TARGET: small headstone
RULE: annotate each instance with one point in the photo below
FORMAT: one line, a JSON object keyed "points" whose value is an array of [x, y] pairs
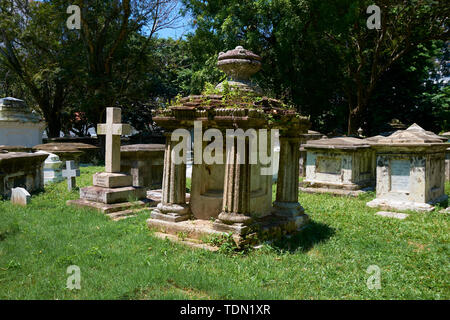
{"points": [[395, 215], [445, 210], [71, 172], [20, 196]]}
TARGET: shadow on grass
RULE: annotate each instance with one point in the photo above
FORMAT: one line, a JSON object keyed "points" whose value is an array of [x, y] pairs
{"points": [[9, 231], [443, 204], [314, 233]]}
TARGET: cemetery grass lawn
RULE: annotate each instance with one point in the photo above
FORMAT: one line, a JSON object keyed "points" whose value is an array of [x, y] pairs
{"points": [[122, 260]]}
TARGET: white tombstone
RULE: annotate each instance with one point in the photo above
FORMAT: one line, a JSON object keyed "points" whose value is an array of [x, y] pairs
{"points": [[52, 168], [20, 196], [19, 126]]}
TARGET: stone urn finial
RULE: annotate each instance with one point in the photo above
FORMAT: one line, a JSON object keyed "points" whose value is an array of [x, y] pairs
{"points": [[239, 65]]}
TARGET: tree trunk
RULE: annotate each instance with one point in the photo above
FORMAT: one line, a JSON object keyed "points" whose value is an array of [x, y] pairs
{"points": [[54, 125], [354, 119]]}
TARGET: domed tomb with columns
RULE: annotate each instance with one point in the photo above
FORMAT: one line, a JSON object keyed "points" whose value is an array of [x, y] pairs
{"points": [[231, 189]]}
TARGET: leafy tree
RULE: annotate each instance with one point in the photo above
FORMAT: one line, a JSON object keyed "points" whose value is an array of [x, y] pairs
{"points": [[34, 48], [318, 55], [367, 55]]}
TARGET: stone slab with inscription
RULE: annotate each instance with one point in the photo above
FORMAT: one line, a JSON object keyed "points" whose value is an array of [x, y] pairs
{"points": [[400, 172]]}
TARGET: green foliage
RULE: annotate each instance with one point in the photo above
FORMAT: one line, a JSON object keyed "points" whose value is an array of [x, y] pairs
{"points": [[319, 55]]}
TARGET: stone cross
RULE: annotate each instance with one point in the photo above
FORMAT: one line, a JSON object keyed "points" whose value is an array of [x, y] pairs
{"points": [[20, 196], [113, 129], [71, 172]]}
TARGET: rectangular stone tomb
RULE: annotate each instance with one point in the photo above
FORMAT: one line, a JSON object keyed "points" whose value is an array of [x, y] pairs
{"points": [[341, 166], [145, 163], [18, 169], [410, 170]]}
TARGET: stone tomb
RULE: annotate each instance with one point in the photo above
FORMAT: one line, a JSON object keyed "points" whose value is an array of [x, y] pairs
{"points": [[52, 168], [341, 166], [228, 196], [410, 170], [145, 163], [18, 169], [112, 191], [311, 135], [77, 152], [18, 124], [15, 148]]}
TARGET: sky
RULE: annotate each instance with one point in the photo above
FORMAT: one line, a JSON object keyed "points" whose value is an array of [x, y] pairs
{"points": [[180, 32], [184, 26]]}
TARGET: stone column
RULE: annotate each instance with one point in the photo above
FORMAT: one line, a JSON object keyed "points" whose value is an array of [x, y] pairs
{"points": [[236, 193], [286, 203], [173, 205]]}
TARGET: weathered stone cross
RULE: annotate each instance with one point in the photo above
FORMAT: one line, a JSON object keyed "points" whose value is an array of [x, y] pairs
{"points": [[71, 172], [113, 129]]}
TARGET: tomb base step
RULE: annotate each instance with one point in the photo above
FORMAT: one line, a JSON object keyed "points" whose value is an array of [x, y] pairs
{"points": [[336, 192], [110, 208], [267, 228], [192, 229], [193, 243], [112, 195]]}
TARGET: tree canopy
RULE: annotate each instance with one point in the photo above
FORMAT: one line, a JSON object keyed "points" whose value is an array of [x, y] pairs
{"points": [[319, 56]]}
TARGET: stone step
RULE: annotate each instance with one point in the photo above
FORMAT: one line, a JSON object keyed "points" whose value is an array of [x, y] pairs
{"points": [[110, 208], [112, 195]]}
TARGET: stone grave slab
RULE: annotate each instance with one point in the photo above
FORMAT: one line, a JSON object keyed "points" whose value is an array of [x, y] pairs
{"points": [[395, 215]]}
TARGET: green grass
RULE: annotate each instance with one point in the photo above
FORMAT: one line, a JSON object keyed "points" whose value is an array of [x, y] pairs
{"points": [[122, 260]]}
